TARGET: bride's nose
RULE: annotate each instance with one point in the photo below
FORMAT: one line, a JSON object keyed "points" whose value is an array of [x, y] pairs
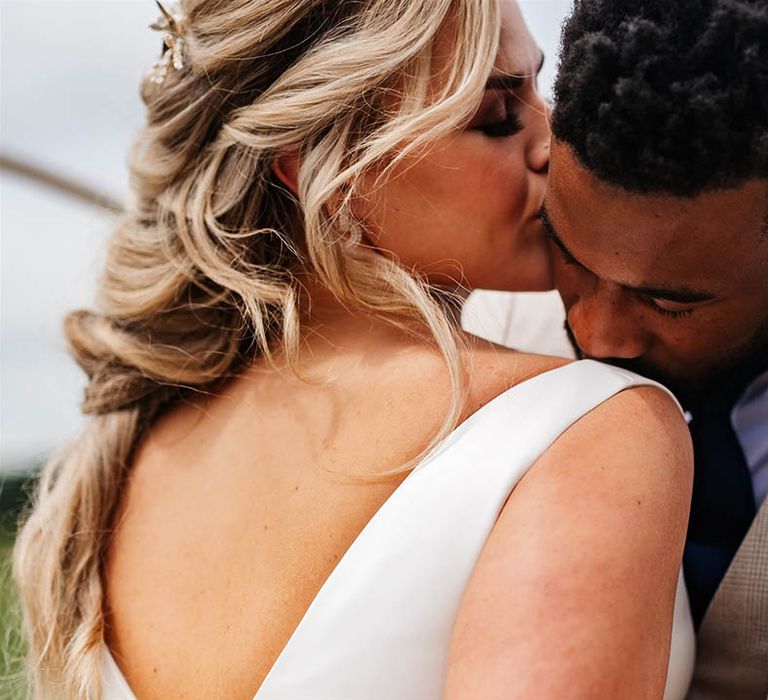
{"points": [[537, 153]]}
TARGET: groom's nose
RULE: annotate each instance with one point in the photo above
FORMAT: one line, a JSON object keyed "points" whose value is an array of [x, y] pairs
{"points": [[604, 326]]}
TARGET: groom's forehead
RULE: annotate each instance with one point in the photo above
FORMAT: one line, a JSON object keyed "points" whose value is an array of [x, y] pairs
{"points": [[712, 233]]}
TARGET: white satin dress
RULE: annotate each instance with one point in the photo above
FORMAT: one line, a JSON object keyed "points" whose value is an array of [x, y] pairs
{"points": [[380, 627]]}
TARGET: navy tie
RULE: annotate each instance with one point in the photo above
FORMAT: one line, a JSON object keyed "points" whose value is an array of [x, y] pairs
{"points": [[723, 504]]}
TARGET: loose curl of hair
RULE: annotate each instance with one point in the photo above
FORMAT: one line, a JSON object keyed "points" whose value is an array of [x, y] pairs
{"points": [[202, 274], [666, 96]]}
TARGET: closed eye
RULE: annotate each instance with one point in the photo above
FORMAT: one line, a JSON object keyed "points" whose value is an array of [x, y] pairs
{"points": [[672, 309], [568, 259], [674, 303], [496, 117], [508, 127]]}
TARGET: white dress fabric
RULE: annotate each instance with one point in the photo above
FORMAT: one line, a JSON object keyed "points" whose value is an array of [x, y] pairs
{"points": [[380, 627]]}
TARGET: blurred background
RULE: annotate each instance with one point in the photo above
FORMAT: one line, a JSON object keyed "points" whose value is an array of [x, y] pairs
{"points": [[69, 107]]}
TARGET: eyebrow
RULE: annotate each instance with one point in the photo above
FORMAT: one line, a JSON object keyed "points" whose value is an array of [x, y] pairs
{"points": [[511, 82], [682, 295]]}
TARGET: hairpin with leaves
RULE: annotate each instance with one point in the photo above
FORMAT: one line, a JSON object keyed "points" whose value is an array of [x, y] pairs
{"points": [[173, 23]]}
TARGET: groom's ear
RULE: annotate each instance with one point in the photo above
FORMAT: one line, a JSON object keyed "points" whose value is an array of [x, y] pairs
{"points": [[286, 167]]}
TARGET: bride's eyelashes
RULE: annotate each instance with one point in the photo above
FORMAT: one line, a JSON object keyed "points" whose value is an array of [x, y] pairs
{"points": [[510, 126], [496, 117]]}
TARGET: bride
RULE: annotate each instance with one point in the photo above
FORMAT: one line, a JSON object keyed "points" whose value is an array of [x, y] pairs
{"points": [[301, 479]]}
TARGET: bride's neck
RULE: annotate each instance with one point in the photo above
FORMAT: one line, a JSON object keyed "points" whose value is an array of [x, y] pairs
{"points": [[322, 308]]}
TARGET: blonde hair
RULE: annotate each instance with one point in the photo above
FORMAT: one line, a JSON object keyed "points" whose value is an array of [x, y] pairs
{"points": [[201, 275]]}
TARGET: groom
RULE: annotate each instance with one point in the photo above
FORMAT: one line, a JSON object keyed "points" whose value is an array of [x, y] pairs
{"points": [[657, 210]]}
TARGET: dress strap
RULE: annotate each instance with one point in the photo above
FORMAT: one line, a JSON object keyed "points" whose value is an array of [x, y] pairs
{"points": [[380, 627]]}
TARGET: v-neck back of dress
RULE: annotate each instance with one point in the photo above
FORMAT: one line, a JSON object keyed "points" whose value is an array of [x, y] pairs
{"points": [[380, 626]]}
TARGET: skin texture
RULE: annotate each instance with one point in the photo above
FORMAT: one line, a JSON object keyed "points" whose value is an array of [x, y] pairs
{"points": [[467, 210], [240, 504], [573, 594], [611, 242]]}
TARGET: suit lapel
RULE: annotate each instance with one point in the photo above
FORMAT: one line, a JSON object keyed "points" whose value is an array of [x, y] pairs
{"points": [[732, 645]]}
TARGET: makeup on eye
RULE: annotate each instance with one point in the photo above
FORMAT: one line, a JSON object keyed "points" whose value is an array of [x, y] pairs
{"points": [[496, 117]]}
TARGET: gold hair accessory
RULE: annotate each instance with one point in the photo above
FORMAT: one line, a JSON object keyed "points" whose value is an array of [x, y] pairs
{"points": [[174, 25]]}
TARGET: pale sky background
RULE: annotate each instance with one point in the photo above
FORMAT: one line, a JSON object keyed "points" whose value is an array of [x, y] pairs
{"points": [[69, 77]]}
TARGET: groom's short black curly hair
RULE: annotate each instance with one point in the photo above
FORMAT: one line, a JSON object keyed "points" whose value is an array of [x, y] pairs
{"points": [[666, 96]]}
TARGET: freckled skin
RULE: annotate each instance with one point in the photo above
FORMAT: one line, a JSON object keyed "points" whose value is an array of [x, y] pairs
{"points": [[714, 242]]}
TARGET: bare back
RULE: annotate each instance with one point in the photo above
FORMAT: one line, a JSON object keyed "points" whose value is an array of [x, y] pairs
{"points": [[240, 505]]}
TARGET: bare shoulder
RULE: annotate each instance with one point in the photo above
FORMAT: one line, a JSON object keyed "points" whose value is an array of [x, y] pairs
{"points": [[645, 417], [636, 442], [495, 368], [573, 594], [640, 427]]}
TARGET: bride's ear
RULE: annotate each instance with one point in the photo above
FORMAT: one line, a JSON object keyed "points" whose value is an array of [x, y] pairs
{"points": [[286, 167]]}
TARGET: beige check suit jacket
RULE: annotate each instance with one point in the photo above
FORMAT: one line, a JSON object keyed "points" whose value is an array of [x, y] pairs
{"points": [[732, 646]]}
